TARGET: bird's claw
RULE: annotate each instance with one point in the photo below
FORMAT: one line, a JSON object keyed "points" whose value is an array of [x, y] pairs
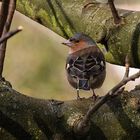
{"points": [[94, 97], [79, 98]]}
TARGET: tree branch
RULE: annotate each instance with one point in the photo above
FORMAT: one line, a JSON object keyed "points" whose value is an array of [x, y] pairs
{"points": [[95, 20], [10, 34], [127, 65], [24, 117], [3, 14], [117, 19], [7, 12]]}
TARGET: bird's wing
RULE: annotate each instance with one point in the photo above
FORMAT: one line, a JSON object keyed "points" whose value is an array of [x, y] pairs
{"points": [[84, 66], [94, 65], [74, 67]]}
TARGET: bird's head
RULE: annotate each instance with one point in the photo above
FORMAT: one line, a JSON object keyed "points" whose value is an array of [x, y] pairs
{"points": [[79, 41]]}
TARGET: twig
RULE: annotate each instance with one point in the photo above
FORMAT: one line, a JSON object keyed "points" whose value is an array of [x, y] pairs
{"points": [[86, 119], [115, 14], [9, 5], [110, 93], [127, 65], [10, 34]]}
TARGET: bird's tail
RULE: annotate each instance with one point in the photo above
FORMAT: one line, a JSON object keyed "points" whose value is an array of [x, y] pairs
{"points": [[84, 84]]}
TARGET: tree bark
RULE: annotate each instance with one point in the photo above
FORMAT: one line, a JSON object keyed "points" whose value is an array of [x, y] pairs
{"points": [[67, 17], [23, 117]]}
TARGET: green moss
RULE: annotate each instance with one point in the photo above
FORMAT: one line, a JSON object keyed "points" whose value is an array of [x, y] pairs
{"points": [[54, 23], [68, 30], [44, 17], [66, 17], [26, 8], [109, 57]]}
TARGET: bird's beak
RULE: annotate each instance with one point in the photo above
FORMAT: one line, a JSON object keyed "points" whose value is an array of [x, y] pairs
{"points": [[68, 43]]}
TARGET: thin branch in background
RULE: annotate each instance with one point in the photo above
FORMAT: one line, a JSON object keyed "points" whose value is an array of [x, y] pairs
{"points": [[10, 34], [5, 23], [117, 18], [114, 91], [3, 14], [11, 10]]}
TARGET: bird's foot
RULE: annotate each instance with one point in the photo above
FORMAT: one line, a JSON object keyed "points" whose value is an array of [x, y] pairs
{"points": [[94, 97], [79, 98], [120, 22]]}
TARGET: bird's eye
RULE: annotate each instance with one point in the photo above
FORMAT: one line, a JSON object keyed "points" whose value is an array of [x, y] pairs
{"points": [[76, 41], [71, 39]]}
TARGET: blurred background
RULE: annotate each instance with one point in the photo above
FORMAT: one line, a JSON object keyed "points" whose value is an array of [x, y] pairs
{"points": [[35, 64], [125, 4], [128, 4]]}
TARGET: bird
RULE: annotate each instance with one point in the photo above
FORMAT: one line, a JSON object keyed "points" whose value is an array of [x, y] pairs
{"points": [[85, 64]]}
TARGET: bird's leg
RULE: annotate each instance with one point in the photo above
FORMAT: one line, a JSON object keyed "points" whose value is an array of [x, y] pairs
{"points": [[78, 96], [116, 17], [94, 97]]}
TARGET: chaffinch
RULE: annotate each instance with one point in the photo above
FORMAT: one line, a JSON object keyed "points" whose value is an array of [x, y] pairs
{"points": [[85, 65]]}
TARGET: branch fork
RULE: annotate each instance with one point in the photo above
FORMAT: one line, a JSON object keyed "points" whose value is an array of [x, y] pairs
{"points": [[115, 91], [6, 15]]}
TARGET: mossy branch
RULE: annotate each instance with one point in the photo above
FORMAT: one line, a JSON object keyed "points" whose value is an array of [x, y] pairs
{"points": [[67, 17], [26, 117]]}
